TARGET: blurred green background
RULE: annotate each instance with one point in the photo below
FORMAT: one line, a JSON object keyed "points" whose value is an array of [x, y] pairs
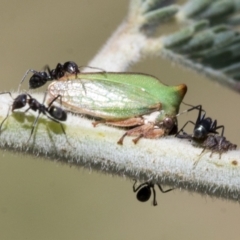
{"points": [[42, 199]]}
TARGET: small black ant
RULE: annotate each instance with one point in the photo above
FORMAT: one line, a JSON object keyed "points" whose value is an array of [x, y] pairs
{"points": [[203, 125], [144, 191], [54, 113], [205, 134], [38, 79]]}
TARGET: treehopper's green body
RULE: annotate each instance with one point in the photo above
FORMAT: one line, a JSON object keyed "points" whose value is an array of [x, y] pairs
{"points": [[121, 99]]}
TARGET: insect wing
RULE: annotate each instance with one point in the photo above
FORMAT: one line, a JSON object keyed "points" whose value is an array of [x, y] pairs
{"points": [[104, 99], [169, 96]]}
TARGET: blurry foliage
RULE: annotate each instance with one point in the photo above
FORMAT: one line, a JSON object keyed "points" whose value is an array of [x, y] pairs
{"points": [[209, 39]]}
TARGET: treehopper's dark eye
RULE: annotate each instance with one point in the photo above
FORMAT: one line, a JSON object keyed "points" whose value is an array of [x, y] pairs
{"points": [[168, 122]]}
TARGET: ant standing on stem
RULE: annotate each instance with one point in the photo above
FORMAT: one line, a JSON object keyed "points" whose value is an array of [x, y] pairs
{"points": [[203, 125], [54, 113], [205, 133]]}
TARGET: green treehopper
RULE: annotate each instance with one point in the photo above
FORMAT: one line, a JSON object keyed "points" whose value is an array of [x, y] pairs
{"points": [[135, 100]]}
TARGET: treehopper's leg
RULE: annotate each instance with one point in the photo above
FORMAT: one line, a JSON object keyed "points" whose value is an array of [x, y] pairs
{"points": [[146, 131], [120, 141], [135, 140], [151, 134], [95, 123], [137, 131]]}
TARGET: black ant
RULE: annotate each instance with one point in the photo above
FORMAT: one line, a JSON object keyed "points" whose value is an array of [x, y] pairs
{"points": [[144, 191], [54, 113], [203, 125], [205, 134], [38, 79]]}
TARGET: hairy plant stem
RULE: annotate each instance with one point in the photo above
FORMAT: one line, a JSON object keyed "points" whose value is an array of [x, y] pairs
{"points": [[167, 160]]}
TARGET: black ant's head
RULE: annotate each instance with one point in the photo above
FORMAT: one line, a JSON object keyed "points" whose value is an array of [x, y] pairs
{"points": [[58, 113], [144, 193], [19, 102], [38, 79], [71, 67]]}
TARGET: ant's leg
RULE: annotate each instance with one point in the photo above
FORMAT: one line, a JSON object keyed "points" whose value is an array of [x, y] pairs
{"points": [[164, 191], [47, 68], [9, 107], [58, 123], [7, 93], [61, 128], [44, 98], [4, 120], [24, 76], [27, 109], [200, 110], [218, 127], [198, 107], [33, 127], [100, 69], [8, 110], [181, 130], [154, 196], [187, 104], [36, 120], [54, 99]]}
